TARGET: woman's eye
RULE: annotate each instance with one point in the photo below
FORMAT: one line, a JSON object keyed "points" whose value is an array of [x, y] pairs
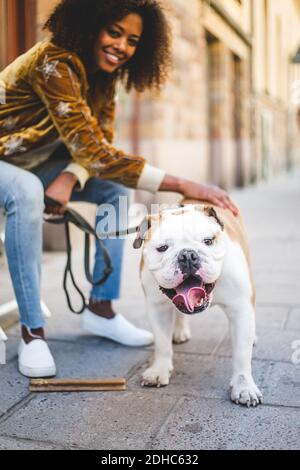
{"points": [[133, 43], [113, 34], [162, 249], [208, 241]]}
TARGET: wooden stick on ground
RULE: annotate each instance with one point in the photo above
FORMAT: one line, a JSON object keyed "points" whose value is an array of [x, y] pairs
{"points": [[77, 385]]}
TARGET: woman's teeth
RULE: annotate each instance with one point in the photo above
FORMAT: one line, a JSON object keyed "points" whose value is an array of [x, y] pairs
{"points": [[112, 58]]}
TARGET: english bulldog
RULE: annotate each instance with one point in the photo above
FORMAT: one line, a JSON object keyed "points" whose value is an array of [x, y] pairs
{"points": [[196, 256]]}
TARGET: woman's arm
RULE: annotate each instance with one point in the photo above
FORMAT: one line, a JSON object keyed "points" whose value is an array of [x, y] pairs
{"points": [[61, 190]]}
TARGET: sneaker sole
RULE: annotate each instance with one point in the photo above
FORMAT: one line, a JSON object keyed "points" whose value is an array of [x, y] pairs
{"points": [[37, 373]]}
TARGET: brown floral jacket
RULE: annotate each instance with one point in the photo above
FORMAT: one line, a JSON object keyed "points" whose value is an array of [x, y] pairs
{"points": [[45, 97]]}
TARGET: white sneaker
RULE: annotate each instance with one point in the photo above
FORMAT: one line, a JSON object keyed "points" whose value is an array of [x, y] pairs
{"points": [[118, 329], [35, 359]]}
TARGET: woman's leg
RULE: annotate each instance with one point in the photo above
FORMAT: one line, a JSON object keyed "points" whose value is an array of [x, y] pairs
{"points": [[22, 197]]}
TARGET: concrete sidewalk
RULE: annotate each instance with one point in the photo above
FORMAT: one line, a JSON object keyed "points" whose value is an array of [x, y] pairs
{"points": [[194, 411]]}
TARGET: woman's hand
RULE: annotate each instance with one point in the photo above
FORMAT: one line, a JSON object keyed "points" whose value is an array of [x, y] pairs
{"points": [[191, 190], [60, 190]]}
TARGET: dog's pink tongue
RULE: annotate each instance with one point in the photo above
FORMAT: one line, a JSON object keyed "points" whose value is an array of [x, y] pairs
{"points": [[189, 295]]}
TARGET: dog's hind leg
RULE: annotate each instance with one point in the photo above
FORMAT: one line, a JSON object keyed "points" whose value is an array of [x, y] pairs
{"points": [[182, 330]]}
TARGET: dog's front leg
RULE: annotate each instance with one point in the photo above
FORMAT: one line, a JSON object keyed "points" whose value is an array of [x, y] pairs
{"points": [[162, 321], [242, 323]]}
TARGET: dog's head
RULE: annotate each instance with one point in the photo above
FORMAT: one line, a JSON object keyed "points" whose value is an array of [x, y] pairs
{"points": [[184, 249]]}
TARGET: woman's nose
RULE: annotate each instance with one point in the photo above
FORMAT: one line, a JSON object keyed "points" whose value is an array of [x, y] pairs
{"points": [[121, 45]]}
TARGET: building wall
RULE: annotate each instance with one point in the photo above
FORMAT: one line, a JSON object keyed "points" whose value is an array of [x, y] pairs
{"points": [[200, 128], [174, 127], [44, 8], [276, 38]]}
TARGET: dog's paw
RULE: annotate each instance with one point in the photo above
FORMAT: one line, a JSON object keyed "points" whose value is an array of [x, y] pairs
{"points": [[156, 376], [244, 391], [182, 333]]}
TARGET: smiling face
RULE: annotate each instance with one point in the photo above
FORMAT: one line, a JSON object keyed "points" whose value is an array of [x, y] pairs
{"points": [[185, 255], [117, 43]]}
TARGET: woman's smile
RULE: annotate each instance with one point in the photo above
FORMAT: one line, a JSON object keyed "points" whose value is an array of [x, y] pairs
{"points": [[111, 58]]}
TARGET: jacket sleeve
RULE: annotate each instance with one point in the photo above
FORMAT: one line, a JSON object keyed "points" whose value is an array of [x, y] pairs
{"points": [[106, 119], [58, 83]]}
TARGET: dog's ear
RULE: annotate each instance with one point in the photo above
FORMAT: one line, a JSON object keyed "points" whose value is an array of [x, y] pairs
{"points": [[142, 229], [210, 212]]}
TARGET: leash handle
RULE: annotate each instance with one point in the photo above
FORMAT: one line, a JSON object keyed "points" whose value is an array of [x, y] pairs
{"points": [[71, 216]]}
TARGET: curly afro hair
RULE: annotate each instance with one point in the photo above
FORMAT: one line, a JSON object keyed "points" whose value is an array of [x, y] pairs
{"points": [[75, 25]]}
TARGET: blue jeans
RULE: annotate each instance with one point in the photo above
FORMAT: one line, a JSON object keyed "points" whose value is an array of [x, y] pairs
{"points": [[22, 197]]}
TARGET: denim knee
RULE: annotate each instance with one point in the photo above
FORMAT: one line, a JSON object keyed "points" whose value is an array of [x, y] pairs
{"points": [[27, 195]]}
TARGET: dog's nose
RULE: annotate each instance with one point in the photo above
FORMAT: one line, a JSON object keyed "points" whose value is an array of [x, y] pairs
{"points": [[189, 261]]}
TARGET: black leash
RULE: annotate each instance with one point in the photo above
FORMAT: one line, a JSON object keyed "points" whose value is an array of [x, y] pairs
{"points": [[71, 216]]}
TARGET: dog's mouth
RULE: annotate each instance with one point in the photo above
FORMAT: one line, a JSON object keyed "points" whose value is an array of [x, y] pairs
{"points": [[191, 296]]}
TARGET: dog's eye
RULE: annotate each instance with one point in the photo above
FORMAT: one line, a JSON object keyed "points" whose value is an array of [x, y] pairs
{"points": [[163, 248], [208, 241]]}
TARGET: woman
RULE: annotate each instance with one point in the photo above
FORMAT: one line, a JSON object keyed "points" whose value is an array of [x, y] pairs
{"points": [[56, 131]]}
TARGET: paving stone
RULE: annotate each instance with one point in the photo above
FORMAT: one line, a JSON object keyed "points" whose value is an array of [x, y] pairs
{"points": [[109, 420], [278, 293], [271, 317], [211, 377], [198, 423], [95, 358], [286, 275], [293, 322], [13, 387], [282, 385], [273, 345], [7, 443]]}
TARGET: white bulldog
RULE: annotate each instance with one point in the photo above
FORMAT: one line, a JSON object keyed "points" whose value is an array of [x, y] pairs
{"points": [[195, 256]]}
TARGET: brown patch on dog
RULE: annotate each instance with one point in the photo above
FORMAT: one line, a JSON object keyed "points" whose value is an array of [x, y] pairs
{"points": [[235, 228], [142, 229], [142, 264], [210, 212], [145, 228], [179, 212]]}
